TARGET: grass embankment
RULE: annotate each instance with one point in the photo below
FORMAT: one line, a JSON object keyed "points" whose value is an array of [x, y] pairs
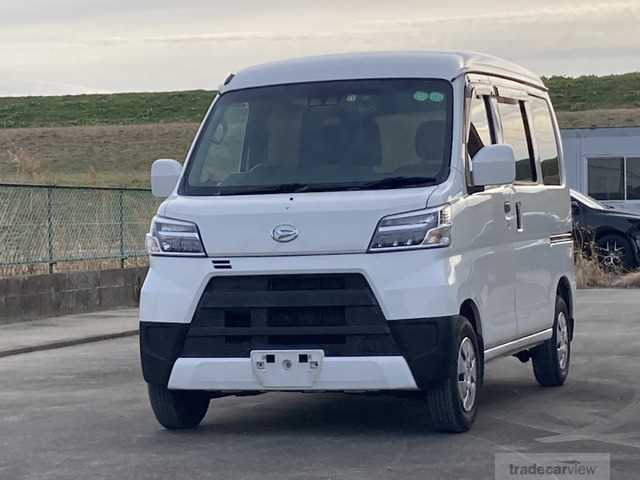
{"points": [[95, 139], [114, 138], [595, 93], [112, 155], [581, 94], [590, 101], [115, 109]]}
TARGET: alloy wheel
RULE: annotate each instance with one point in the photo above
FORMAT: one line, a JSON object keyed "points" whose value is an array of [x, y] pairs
{"points": [[562, 341], [467, 374], [611, 254]]}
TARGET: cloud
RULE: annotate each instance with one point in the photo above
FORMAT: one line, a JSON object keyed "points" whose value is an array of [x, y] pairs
{"points": [[153, 49], [576, 15], [601, 11]]}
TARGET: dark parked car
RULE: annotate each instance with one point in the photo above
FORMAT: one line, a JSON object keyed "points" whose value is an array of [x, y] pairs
{"points": [[615, 234]]}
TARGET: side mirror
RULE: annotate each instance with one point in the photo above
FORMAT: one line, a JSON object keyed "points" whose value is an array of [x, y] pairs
{"points": [[164, 177], [494, 165]]}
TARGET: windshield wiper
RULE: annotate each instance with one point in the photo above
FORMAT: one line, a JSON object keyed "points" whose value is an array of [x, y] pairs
{"points": [[262, 189], [390, 182], [395, 182]]}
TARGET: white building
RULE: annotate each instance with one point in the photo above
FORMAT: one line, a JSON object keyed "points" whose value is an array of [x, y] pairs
{"points": [[605, 164]]}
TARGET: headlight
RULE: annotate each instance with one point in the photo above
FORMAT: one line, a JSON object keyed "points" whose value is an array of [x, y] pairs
{"points": [[174, 237], [420, 229]]}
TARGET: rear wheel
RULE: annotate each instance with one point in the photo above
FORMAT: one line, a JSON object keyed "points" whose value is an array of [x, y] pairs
{"points": [[178, 409], [615, 253], [551, 359], [454, 402]]}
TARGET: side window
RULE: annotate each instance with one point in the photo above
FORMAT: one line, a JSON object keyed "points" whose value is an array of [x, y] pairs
{"points": [[515, 133], [633, 178], [546, 141], [606, 178], [614, 178], [479, 127]]}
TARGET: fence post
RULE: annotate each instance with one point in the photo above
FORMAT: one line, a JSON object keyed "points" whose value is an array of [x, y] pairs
{"points": [[121, 198], [50, 227]]}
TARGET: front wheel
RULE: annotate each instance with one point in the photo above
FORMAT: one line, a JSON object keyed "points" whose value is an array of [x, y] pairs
{"points": [[454, 402], [551, 359], [178, 409]]}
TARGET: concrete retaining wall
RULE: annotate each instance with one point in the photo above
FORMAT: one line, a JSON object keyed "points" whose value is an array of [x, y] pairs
{"points": [[42, 296]]}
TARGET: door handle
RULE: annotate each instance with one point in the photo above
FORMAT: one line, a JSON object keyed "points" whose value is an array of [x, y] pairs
{"points": [[508, 211], [519, 216], [512, 211]]}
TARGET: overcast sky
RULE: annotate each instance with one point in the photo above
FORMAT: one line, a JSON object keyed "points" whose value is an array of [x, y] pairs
{"points": [[83, 46]]}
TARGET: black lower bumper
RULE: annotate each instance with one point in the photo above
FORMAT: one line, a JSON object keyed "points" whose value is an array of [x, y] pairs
{"points": [[160, 346], [425, 343]]}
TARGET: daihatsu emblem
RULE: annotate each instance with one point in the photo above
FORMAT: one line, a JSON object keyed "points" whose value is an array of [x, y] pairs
{"points": [[284, 233]]}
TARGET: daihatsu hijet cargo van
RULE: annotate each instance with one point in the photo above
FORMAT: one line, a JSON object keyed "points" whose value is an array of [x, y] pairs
{"points": [[384, 222]]}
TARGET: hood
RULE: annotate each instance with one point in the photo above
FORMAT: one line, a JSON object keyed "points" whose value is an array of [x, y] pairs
{"points": [[325, 222], [628, 215]]}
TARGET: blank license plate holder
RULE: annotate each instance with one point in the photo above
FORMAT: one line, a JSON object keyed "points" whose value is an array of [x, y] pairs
{"points": [[287, 369]]}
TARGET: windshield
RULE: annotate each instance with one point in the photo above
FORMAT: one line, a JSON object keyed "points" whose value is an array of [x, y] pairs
{"points": [[588, 201], [346, 135]]}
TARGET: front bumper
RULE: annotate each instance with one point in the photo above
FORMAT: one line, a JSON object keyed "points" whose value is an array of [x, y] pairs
{"points": [[198, 322], [338, 373], [425, 347]]}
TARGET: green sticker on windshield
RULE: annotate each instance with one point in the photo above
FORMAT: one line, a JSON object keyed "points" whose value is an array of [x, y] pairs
{"points": [[421, 96], [436, 97]]}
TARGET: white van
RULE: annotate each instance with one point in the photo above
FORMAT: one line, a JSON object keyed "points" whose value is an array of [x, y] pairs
{"points": [[361, 223]]}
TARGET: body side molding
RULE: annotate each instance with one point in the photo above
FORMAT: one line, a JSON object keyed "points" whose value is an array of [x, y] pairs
{"points": [[515, 346]]}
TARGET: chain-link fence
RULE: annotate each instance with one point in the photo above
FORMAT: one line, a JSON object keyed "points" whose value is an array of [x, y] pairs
{"points": [[47, 224]]}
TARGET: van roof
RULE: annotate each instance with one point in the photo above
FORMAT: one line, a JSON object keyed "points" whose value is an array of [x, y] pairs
{"points": [[445, 65]]}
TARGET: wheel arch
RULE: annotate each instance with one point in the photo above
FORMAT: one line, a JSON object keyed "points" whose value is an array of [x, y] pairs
{"points": [[469, 309], [608, 230]]}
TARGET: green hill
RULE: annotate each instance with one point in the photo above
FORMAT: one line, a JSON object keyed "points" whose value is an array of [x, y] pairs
{"points": [[113, 109], [568, 94], [595, 93]]}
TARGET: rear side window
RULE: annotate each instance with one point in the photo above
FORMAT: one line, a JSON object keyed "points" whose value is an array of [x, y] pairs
{"points": [[479, 126], [515, 133], [546, 141]]}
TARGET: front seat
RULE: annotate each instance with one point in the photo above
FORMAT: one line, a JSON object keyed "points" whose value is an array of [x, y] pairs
{"points": [[429, 145]]}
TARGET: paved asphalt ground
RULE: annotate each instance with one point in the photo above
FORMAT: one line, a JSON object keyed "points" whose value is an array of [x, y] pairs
{"points": [[81, 412]]}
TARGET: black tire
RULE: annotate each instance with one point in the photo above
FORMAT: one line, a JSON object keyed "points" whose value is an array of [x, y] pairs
{"points": [[548, 368], [445, 402], [178, 409], [615, 253]]}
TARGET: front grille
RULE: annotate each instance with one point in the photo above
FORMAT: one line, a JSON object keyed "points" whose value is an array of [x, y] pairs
{"points": [[337, 313]]}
